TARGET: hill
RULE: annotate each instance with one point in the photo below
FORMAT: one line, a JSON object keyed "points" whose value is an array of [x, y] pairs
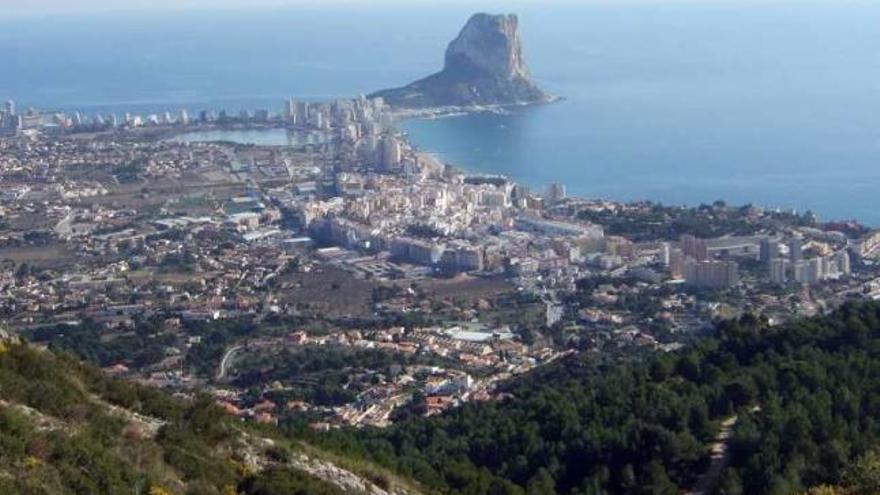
{"points": [[66, 428], [758, 409]]}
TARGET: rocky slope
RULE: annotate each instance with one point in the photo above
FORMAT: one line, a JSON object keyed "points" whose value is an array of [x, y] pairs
{"points": [[484, 67], [66, 428]]}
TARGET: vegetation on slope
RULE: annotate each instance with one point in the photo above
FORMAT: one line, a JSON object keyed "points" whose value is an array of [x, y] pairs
{"points": [[65, 428], [860, 478], [806, 396]]}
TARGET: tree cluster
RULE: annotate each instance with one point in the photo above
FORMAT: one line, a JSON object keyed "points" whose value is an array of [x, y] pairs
{"points": [[806, 397]]}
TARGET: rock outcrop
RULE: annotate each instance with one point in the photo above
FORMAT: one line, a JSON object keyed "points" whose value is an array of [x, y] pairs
{"points": [[484, 66]]}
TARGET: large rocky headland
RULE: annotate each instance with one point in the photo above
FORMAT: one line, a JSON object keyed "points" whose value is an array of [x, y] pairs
{"points": [[484, 67]]}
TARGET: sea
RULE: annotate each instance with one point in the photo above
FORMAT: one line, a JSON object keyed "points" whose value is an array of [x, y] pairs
{"points": [[774, 102]]}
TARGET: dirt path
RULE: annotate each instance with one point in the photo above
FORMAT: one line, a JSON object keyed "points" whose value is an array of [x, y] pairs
{"points": [[720, 455], [720, 458]]}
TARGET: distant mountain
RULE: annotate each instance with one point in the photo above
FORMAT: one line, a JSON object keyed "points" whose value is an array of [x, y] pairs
{"points": [[484, 66]]}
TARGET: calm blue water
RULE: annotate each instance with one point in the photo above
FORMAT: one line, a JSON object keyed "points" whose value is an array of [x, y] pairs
{"points": [[774, 102], [262, 137]]}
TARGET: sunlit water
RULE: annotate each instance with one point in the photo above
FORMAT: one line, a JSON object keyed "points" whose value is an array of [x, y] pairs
{"points": [[776, 103]]}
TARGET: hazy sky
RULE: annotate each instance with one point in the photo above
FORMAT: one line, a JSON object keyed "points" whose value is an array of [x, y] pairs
{"points": [[12, 9], [40, 7], [15, 8]]}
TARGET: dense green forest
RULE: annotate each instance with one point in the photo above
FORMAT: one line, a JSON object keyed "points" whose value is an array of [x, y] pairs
{"points": [[806, 396], [66, 428]]}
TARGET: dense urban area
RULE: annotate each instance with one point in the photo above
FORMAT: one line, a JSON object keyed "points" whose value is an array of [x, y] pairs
{"points": [[347, 280]]}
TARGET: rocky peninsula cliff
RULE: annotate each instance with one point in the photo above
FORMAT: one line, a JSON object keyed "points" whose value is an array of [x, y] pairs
{"points": [[484, 67]]}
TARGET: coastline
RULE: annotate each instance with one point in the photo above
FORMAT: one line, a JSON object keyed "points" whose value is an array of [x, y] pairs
{"points": [[450, 111], [436, 113], [431, 113]]}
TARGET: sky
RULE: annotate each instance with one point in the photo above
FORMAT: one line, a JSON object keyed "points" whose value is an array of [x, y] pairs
{"points": [[14, 8], [17, 8], [29, 8]]}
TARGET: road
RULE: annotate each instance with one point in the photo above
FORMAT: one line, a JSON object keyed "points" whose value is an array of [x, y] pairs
{"points": [[227, 359]]}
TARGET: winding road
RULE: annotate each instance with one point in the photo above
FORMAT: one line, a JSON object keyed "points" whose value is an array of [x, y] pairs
{"points": [[227, 360]]}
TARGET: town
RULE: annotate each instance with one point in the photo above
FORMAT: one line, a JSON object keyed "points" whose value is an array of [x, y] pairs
{"points": [[348, 278]]}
